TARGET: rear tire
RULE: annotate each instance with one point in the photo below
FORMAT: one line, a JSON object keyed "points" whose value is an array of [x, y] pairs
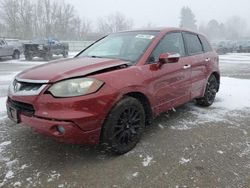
{"points": [[28, 57], [124, 126], [210, 93], [16, 55]]}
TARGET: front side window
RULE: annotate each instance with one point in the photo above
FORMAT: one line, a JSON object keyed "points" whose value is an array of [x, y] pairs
{"points": [[129, 46], [193, 44], [171, 43]]}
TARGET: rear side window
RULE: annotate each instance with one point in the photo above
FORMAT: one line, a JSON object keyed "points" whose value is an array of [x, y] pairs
{"points": [[206, 46], [193, 44]]}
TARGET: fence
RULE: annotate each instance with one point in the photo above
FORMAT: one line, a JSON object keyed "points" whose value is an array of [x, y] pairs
{"points": [[74, 46]]}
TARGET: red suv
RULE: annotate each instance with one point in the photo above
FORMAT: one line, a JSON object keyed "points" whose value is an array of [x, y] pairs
{"points": [[113, 88]]}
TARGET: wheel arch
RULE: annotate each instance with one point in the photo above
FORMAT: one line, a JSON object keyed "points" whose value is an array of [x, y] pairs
{"points": [[217, 76], [143, 99], [16, 50]]}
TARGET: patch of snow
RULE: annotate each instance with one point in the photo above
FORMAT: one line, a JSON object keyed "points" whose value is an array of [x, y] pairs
{"points": [[24, 166], [235, 58], [5, 143], [147, 161], [234, 94], [135, 174], [17, 184], [161, 126], [220, 152], [10, 164], [8, 77], [9, 175], [3, 106], [232, 98], [184, 161], [53, 176]]}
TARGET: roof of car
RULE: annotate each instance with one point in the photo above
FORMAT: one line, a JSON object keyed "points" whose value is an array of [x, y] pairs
{"points": [[162, 29]]}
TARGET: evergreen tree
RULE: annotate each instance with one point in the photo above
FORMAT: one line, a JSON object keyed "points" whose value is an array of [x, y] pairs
{"points": [[188, 19]]}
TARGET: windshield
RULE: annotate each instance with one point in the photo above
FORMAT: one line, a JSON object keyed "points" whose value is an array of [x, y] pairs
{"points": [[129, 46]]}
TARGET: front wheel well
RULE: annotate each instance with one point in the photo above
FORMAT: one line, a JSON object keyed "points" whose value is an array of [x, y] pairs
{"points": [[217, 76], [16, 51], [146, 105]]}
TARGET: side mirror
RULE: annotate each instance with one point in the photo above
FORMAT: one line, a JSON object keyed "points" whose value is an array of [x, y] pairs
{"points": [[169, 58]]}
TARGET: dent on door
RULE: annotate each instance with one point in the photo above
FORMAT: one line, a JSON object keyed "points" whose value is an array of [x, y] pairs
{"points": [[171, 85]]}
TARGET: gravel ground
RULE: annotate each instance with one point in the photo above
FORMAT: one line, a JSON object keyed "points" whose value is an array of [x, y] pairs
{"points": [[188, 147]]}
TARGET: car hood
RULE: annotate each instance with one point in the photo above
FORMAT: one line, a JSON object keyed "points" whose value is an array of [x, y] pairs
{"points": [[70, 68]]}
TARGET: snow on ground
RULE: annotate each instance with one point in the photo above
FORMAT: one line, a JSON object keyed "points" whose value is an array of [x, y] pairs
{"points": [[232, 99], [147, 161], [3, 108], [238, 58], [35, 61], [8, 77]]}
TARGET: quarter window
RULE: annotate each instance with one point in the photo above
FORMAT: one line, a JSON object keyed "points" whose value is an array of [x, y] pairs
{"points": [[171, 43], [193, 44]]}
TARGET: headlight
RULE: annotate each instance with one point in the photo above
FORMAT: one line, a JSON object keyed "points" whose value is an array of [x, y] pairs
{"points": [[75, 87]]}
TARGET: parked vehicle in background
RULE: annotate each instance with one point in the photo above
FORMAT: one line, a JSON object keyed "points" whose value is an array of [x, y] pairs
{"points": [[244, 47], [10, 47], [224, 47], [45, 48], [113, 88]]}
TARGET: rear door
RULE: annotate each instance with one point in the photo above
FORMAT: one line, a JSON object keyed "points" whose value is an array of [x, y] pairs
{"points": [[199, 73], [9, 49], [171, 83]]}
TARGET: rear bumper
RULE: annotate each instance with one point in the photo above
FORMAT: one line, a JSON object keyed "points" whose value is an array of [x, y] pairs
{"points": [[72, 133]]}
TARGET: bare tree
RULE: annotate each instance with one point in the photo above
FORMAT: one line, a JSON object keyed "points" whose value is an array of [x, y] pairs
{"points": [[26, 19], [113, 23], [9, 15]]}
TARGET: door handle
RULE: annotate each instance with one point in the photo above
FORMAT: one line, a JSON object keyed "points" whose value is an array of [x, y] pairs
{"points": [[186, 67], [207, 60]]}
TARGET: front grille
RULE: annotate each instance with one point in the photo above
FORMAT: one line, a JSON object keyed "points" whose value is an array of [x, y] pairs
{"points": [[27, 87], [23, 108], [23, 86]]}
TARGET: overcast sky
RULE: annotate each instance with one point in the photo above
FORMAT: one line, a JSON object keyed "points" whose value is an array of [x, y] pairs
{"points": [[162, 12]]}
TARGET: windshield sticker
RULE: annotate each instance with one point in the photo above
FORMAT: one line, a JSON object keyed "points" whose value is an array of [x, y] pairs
{"points": [[150, 37]]}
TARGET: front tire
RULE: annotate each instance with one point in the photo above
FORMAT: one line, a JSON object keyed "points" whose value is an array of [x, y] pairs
{"points": [[124, 126], [16, 55], [65, 54], [28, 57], [48, 57], [210, 93]]}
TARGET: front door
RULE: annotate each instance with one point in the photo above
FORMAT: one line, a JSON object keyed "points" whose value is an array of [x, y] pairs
{"points": [[171, 82]]}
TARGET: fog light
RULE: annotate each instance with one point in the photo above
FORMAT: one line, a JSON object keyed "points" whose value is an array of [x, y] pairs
{"points": [[60, 129]]}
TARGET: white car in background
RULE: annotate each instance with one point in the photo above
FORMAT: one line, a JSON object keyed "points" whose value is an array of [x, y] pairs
{"points": [[10, 47]]}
